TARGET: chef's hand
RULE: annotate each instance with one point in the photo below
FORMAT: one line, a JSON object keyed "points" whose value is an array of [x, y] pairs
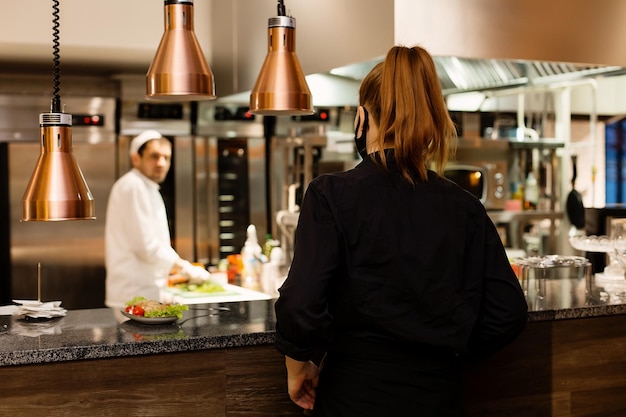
{"points": [[195, 273], [302, 380]]}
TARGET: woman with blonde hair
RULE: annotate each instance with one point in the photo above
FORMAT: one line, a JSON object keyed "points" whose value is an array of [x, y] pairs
{"points": [[398, 274]]}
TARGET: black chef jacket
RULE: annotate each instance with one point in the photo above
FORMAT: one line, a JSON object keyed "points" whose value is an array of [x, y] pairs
{"points": [[379, 262]]}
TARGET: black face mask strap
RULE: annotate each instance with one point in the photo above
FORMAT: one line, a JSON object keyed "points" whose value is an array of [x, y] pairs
{"points": [[365, 120], [359, 141]]}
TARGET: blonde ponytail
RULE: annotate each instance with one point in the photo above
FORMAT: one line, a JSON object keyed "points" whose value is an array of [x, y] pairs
{"points": [[404, 96]]}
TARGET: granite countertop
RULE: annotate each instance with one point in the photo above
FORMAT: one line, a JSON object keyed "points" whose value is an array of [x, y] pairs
{"points": [[105, 333]]}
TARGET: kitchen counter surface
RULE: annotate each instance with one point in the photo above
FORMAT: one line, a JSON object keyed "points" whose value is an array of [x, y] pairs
{"points": [[104, 333]]}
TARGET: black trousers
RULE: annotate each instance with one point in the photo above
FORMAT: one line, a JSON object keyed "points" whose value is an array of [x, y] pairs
{"points": [[389, 385]]}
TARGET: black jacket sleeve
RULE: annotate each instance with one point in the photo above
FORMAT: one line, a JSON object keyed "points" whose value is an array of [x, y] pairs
{"points": [[503, 311], [302, 313]]}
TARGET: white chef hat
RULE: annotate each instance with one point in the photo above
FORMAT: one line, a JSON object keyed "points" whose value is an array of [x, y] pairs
{"points": [[142, 138]]}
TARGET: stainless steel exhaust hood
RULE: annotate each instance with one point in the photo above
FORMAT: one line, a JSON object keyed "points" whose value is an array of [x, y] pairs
{"points": [[462, 74], [458, 75]]}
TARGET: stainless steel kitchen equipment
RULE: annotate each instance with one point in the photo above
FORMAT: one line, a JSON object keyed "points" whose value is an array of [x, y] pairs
{"points": [[303, 149], [482, 167], [280, 159], [296, 158], [555, 281], [489, 168], [233, 158]]}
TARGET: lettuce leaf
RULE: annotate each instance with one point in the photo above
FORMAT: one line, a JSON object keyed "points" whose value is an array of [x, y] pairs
{"points": [[167, 310], [154, 308]]}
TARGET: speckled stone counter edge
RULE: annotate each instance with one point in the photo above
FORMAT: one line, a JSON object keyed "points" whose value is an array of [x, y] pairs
{"points": [[71, 353], [191, 343], [577, 313]]}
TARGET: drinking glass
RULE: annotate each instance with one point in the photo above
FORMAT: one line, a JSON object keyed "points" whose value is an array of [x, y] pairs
{"points": [[618, 236]]}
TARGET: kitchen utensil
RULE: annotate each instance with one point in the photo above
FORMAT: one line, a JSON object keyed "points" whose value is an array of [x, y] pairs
{"points": [[575, 207], [554, 281]]}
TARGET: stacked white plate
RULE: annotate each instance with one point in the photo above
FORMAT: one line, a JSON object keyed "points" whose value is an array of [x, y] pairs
{"points": [[38, 310]]}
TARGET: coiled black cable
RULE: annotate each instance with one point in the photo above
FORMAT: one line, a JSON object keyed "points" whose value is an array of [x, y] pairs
{"points": [[56, 100], [281, 8]]}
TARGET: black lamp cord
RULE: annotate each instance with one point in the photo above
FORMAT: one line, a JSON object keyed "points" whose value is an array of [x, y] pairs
{"points": [[281, 8], [56, 100]]}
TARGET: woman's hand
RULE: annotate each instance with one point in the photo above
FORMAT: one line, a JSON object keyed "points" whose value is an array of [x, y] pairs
{"points": [[302, 380]]}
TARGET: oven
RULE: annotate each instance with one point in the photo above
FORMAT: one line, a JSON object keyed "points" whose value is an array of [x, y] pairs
{"points": [[481, 166]]}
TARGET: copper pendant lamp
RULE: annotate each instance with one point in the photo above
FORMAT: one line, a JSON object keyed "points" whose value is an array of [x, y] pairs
{"points": [[179, 71], [281, 88], [57, 189]]}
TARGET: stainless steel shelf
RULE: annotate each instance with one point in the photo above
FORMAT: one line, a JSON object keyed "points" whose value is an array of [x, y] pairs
{"points": [[502, 216], [518, 220], [536, 144]]}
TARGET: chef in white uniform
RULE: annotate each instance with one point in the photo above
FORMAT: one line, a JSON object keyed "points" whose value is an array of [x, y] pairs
{"points": [[138, 249]]}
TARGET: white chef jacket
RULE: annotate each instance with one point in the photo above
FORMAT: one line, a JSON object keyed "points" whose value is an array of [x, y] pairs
{"points": [[138, 248]]}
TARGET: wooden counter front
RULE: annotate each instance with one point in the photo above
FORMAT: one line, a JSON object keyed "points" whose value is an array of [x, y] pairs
{"points": [[219, 360], [237, 382], [561, 368]]}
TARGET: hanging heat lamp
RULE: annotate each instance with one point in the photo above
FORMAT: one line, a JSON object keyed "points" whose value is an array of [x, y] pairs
{"points": [[179, 71], [57, 189], [281, 88]]}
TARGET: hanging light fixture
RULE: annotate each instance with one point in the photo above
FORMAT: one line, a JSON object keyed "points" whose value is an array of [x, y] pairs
{"points": [[179, 71], [57, 189], [281, 87]]}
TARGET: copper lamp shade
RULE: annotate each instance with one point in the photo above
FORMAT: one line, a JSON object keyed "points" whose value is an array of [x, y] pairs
{"points": [[57, 189], [281, 88], [179, 71]]}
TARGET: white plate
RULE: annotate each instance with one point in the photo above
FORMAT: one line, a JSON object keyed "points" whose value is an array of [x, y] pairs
{"points": [[28, 302], [150, 320], [38, 304], [8, 310]]}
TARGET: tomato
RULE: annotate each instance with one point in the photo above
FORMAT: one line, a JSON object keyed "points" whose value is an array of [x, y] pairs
{"points": [[135, 310], [138, 311]]}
